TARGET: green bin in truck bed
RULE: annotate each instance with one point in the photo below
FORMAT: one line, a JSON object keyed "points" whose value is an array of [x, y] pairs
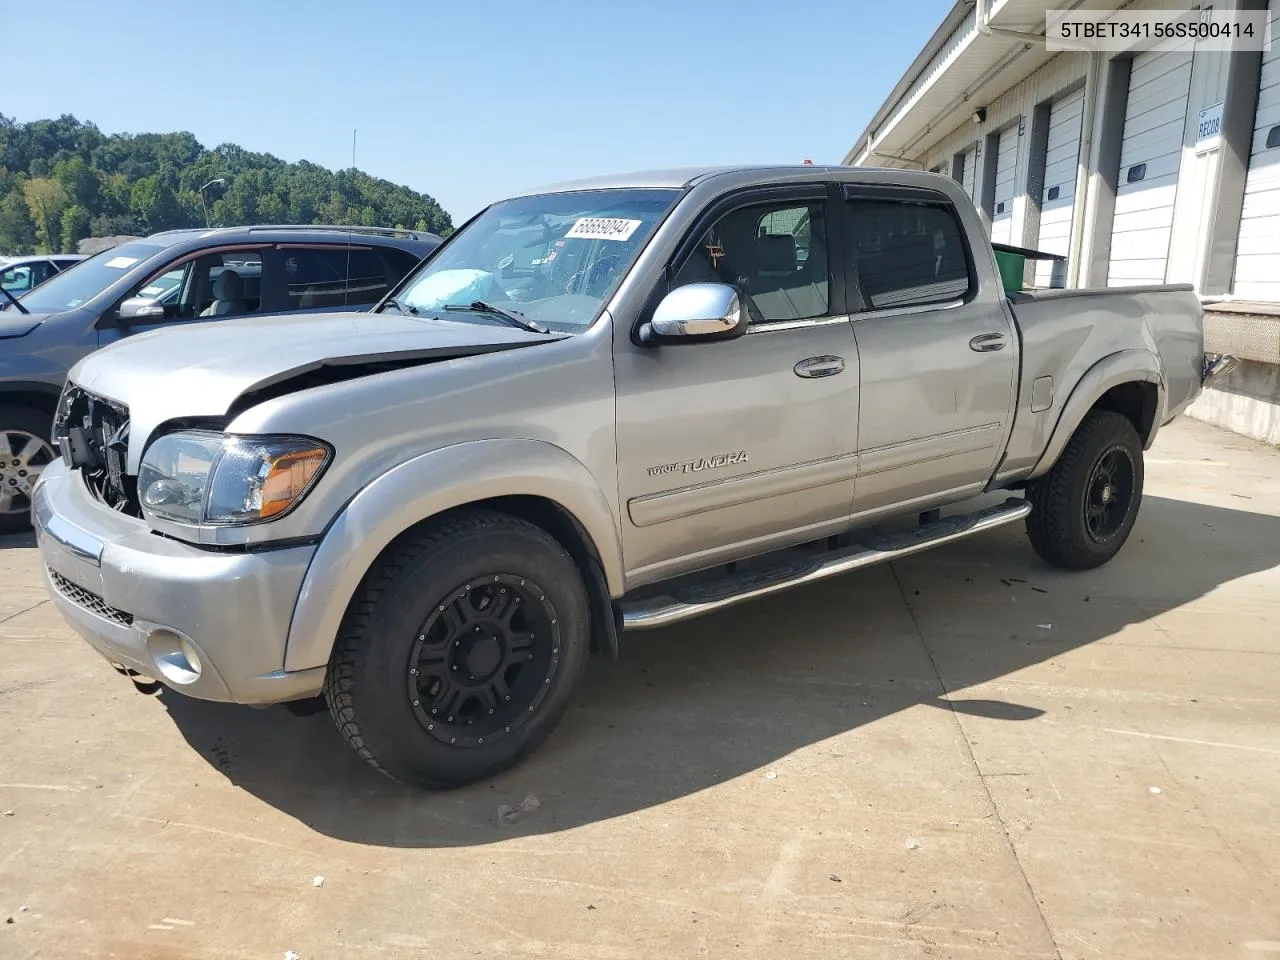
{"points": [[1012, 262]]}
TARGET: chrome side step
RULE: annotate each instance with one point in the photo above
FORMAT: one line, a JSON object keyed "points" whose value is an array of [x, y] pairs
{"points": [[683, 603]]}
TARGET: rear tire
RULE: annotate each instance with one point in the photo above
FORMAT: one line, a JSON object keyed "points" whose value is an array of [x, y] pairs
{"points": [[460, 650], [25, 450], [1083, 509]]}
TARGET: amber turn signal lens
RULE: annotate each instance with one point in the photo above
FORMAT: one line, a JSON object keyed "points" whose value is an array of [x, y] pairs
{"points": [[288, 477]]}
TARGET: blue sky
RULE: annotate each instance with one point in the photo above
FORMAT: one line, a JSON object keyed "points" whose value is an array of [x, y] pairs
{"points": [[471, 102]]}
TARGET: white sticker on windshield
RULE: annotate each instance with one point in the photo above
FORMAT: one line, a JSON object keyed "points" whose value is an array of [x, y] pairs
{"points": [[603, 228], [121, 263]]}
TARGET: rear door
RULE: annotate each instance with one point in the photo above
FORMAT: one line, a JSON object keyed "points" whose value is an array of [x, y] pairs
{"points": [[938, 361]]}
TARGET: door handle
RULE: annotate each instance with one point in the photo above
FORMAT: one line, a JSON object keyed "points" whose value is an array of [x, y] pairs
{"points": [[825, 366], [987, 342]]}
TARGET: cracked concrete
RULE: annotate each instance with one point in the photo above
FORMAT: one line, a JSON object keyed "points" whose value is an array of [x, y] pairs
{"points": [[952, 757]]}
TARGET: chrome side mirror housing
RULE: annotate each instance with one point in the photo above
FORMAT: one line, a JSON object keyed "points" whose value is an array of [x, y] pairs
{"points": [[140, 308], [696, 312]]}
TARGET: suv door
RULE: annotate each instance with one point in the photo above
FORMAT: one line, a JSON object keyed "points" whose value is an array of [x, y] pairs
{"points": [[735, 447], [938, 363]]}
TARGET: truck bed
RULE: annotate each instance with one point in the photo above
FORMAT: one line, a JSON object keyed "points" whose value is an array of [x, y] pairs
{"points": [[1064, 333]]}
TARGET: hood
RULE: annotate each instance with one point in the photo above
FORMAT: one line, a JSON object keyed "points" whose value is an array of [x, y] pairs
{"points": [[202, 370], [15, 323]]}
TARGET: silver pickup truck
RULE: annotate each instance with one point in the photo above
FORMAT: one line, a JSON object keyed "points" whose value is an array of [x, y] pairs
{"points": [[611, 404]]}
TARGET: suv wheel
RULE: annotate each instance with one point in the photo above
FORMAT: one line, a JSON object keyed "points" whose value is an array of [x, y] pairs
{"points": [[1084, 508], [25, 450], [459, 652]]}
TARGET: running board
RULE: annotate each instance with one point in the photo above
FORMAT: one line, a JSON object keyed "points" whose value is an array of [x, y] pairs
{"points": [[685, 602]]}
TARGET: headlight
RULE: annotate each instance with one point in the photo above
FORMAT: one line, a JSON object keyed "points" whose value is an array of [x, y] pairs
{"points": [[198, 477]]}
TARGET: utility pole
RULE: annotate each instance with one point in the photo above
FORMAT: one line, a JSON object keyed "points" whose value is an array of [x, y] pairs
{"points": [[353, 148]]}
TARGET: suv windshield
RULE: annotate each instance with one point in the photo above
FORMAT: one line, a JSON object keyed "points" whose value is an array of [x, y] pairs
{"points": [[87, 279], [555, 258]]}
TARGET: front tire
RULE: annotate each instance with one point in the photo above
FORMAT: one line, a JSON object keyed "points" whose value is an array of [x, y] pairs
{"points": [[1083, 509], [460, 650], [25, 450]]}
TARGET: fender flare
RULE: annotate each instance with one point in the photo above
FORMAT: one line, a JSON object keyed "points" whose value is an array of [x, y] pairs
{"points": [[1125, 366], [424, 487]]}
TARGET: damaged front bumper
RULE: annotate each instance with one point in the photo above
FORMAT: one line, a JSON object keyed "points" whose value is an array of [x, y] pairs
{"points": [[209, 623]]}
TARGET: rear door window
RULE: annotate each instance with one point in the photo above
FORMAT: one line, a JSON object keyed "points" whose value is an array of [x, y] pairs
{"points": [[906, 253], [335, 278]]}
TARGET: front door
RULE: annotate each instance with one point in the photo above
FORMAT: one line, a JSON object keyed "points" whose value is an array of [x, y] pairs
{"points": [[939, 362], [209, 285], [735, 447]]}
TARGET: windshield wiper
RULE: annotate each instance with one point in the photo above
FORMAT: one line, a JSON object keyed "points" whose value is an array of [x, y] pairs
{"points": [[513, 317], [403, 308], [14, 300]]}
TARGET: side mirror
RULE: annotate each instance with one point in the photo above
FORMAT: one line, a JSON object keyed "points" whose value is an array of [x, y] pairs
{"points": [[697, 311], [140, 308]]}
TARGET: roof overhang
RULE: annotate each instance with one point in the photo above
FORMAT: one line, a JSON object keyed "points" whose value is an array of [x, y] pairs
{"points": [[961, 68]]}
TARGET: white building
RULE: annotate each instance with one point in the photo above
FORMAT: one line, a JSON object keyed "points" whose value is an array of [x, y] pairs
{"points": [[1113, 160]]}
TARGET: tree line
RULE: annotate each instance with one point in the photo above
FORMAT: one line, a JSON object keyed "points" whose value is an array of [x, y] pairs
{"points": [[64, 180]]}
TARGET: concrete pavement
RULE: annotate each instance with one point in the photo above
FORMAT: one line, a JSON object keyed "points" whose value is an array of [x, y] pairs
{"points": [[966, 754]]}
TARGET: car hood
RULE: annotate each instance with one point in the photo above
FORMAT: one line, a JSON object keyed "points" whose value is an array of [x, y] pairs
{"points": [[211, 369], [15, 323]]}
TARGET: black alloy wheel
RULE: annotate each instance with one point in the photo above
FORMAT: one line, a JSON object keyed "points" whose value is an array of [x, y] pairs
{"points": [[1110, 493], [484, 660]]}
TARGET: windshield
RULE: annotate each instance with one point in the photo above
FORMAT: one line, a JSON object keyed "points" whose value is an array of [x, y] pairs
{"points": [[87, 278], [555, 258]]}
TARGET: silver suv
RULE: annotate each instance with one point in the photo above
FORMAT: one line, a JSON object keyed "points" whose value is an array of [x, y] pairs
{"points": [[165, 280]]}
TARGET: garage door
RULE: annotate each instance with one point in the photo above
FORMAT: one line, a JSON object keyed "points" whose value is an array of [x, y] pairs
{"points": [[1149, 156], [1002, 201], [969, 164], [1258, 254], [1062, 157]]}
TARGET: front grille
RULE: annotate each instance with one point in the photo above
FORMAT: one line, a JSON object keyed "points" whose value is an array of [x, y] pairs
{"points": [[93, 434], [89, 601]]}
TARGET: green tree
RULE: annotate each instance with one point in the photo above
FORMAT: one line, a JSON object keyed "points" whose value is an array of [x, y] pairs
{"points": [[136, 183], [79, 180], [75, 226], [271, 208], [46, 200], [154, 204], [17, 229]]}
